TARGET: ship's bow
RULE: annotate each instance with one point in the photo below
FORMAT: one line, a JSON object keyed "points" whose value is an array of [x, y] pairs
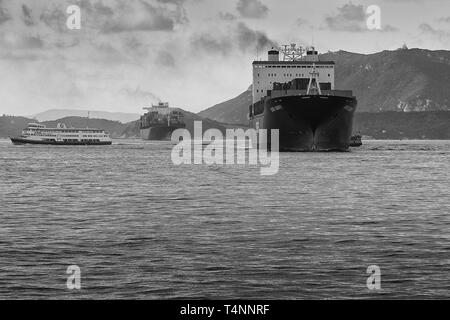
{"points": [[311, 122]]}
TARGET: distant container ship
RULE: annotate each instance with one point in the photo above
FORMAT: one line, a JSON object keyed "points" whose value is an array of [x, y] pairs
{"points": [[296, 95], [160, 121], [61, 135]]}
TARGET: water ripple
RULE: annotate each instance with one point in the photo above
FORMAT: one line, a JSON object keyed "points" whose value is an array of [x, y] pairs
{"points": [[140, 227]]}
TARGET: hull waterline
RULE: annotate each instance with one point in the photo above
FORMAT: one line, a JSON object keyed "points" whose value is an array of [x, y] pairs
{"points": [[20, 141], [309, 122]]}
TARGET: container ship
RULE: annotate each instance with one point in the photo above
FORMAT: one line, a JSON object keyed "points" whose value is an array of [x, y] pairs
{"points": [[160, 121], [36, 133], [296, 95]]}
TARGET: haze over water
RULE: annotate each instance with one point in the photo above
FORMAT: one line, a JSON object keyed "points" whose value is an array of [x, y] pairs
{"points": [[140, 227]]}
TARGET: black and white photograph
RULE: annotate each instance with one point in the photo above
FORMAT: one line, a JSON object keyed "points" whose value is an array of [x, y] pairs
{"points": [[224, 155]]}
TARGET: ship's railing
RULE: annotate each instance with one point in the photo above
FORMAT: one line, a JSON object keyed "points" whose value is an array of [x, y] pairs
{"points": [[294, 92]]}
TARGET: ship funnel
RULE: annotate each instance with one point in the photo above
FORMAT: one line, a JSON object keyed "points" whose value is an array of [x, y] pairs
{"points": [[274, 55], [312, 54]]}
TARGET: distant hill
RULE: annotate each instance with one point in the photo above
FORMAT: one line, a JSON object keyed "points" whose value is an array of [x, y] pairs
{"points": [[11, 126], [403, 80], [54, 114], [400, 80], [231, 111], [115, 128], [404, 125], [382, 125]]}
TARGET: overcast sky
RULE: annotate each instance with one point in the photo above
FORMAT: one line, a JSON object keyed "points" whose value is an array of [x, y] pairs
{"points": [[191, 53]]}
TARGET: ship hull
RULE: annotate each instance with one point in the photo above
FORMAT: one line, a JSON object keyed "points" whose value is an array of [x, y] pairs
{"points": [[309, 122], [19, 141], [158, 133]]}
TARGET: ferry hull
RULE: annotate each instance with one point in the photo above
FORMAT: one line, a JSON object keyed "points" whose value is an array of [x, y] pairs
{"points": [[19, 141], [158, 133], [309, 122]]}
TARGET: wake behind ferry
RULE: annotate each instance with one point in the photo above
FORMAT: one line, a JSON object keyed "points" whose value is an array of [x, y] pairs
{"points": [[61, 135]]}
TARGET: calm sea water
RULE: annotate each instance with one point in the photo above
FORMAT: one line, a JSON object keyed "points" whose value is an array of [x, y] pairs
{"points": [[140, 227]]}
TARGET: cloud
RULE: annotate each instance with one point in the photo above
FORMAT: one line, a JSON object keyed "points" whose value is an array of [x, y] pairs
{"points": [[301, 21], [441, 34], [212, 44], [54, 18], [20, 42], [176, 2], [97, 8], [252, 9], [444, 19], [389, 28], [144, 17], [151, 43], [226, 16], [120, 16], [27, 15], [139, 96], [165, 58], [240, 38], [350, 17], [4, 14], [93, 15], [252, 39]]}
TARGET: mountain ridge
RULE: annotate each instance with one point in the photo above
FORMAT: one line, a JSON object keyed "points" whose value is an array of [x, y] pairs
{"points": [[381, 125], [55, 114], [11, 126], [403, 80]]}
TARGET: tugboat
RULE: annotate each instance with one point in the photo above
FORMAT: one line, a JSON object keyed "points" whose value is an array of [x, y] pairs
{"points": [[36, 133], [160, 121], [355, 141], [296, 95]]}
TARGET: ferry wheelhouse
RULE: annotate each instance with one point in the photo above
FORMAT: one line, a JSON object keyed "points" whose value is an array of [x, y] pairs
{"points": [[36, 133]]}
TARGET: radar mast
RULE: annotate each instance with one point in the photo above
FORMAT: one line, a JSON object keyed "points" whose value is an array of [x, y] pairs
{"points": [[291, 52]]}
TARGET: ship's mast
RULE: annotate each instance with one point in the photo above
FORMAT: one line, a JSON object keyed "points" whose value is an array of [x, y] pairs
{"points": [[291, 52], [313, 86]]}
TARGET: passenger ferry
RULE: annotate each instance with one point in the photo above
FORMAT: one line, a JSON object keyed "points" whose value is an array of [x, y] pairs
{"points": [[36, 133]]}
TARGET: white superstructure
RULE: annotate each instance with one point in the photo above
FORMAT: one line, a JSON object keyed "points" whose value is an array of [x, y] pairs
{"points": [[297, 63], [35, 132]]}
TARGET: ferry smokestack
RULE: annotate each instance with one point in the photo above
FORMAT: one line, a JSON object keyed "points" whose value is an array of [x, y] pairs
{"points": [[274, 55]]}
